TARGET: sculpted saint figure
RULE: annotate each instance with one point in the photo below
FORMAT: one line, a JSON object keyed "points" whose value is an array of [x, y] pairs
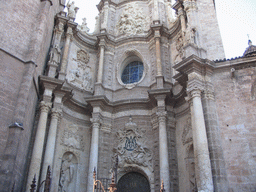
{"points": [[67, 174], [72, 9]]}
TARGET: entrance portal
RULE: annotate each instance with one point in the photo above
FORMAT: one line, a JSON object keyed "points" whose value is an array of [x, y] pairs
{"points": [[133, 182]]}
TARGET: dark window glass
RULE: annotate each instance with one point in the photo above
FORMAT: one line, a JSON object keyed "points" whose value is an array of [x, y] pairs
{"points": [[133, 72]]}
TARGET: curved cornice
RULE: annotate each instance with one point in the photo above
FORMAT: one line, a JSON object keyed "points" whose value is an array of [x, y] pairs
{"points": [[92, 41]]}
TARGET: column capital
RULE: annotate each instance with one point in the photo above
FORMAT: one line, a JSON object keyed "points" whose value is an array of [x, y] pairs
{"points": [[161, 115], [59, 27], [56, 113], [96, 120], [69, 31], [45, 106]]}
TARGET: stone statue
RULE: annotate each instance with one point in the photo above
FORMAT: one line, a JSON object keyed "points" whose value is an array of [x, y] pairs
{"points": [[84, 27], [55, 55], [67, 174], [72, 9], [190, 35]]}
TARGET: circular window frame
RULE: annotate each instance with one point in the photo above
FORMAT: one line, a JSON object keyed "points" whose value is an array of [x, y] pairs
{"points": [[129, 59]]}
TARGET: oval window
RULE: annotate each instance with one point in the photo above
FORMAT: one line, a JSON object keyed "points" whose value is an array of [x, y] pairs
{"points": [[133, 72]]}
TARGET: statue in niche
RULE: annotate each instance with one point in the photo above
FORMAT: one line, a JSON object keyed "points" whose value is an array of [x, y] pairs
{"points": [[131, 147], [55, 55], [132, 21], [84, 27], [67, 173], [190, 34], [72, 9]]}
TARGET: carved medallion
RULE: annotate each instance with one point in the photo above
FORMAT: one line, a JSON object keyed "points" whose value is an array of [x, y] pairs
{"points": [[132, 21], [131, 149], [83, 56]]}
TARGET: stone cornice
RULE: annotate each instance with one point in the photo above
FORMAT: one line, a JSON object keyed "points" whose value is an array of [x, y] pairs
{"points": [[194, 63], [239, 63]]}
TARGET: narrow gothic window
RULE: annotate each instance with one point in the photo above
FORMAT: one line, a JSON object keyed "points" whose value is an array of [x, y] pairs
{"points": [[133, 72]]}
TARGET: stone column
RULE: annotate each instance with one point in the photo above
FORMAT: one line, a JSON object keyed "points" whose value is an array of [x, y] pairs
{"points": [[201, 152], [163, 144], [219, 173], [101, 62], [50, 145], [181, 15], [64, 62], [104, 25], [93, 162], [36, 158], [159, 75], [156, 13]]}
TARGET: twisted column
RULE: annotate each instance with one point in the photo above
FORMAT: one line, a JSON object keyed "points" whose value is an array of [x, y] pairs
{"points": [[93, 162], [201, 152], [50, 145], [39, 143]]}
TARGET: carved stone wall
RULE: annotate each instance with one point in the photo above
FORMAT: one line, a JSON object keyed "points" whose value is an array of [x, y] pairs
{"points": [[73, 137]]}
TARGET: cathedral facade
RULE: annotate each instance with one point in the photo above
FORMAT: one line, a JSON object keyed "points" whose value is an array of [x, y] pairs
{"points": [[148, 98]]}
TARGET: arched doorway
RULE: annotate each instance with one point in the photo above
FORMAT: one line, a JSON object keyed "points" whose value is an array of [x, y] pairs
{"points": [[133, 182]]}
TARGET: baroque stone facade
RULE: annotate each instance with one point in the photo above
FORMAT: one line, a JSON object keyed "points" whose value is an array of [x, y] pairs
{"points": [[147, 96]]}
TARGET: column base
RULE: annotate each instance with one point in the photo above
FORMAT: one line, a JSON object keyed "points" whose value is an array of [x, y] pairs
{"points": [[160, 82], [62, 76], [98, 89]]}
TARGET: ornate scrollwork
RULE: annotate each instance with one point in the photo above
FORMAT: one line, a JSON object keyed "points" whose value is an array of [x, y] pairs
{"points": [[131, 149]]}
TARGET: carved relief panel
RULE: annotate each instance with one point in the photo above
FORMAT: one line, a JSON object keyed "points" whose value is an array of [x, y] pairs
{"points": [[131, 148], [132, 20], [72, 138], [80, 74]]}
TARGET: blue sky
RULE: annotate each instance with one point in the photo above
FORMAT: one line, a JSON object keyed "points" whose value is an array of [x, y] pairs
{"points": [[236, 18]]}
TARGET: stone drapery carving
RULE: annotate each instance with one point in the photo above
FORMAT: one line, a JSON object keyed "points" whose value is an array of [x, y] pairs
{"points": [[55, 55], [72, 9], [132, 21], [131, 149], [179, 47], [187, 132], [81, 76], [84, 27], [68, 173], [73, 138]]}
